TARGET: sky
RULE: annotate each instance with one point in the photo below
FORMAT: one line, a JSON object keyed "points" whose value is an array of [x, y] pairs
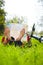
{"points": [[30, 9]]}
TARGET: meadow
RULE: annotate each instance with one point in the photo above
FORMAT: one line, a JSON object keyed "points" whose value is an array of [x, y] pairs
{"points": [[11, 55]]}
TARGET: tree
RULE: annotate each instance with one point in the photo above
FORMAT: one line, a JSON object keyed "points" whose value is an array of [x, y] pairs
{"points": [[1, 3], [17, 19], [2, 16]]}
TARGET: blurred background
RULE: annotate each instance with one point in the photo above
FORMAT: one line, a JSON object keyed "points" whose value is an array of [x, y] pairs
{"points": [[25, 12]]}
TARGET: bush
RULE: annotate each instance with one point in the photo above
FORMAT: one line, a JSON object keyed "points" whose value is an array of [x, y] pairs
{"points": [[1, 29]]}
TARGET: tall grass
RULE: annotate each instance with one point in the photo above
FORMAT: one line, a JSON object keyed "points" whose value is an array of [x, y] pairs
{"points": [[11, 55]]}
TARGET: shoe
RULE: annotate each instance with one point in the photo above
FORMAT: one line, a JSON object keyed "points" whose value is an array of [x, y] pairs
{"points": [[41, 39], [33, 29]]}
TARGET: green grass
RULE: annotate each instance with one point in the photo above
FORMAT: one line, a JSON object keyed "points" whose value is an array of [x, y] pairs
{"points": [[11, 55]]}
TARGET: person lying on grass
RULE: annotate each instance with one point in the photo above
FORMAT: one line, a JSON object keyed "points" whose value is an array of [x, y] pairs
{"points": [[29, 40], [40, 39], [6, 36], [8, 39]]}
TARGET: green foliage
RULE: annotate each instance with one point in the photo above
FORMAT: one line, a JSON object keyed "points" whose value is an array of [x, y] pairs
{"points": [[41, 33], [1, 29], [2, 16], [2, 12], [16, 19], [11, 55], [1, 3]]}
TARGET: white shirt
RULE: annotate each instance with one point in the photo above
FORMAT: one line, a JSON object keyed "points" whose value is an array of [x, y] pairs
{"points": [[15, 29]]}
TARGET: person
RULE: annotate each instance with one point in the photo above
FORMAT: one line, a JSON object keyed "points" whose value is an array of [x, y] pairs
{"points": [[33, 29], [29, 40], [29, 36], [6, 37], [33, 36], [9, 39], [18, 40], [41, 39]]}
